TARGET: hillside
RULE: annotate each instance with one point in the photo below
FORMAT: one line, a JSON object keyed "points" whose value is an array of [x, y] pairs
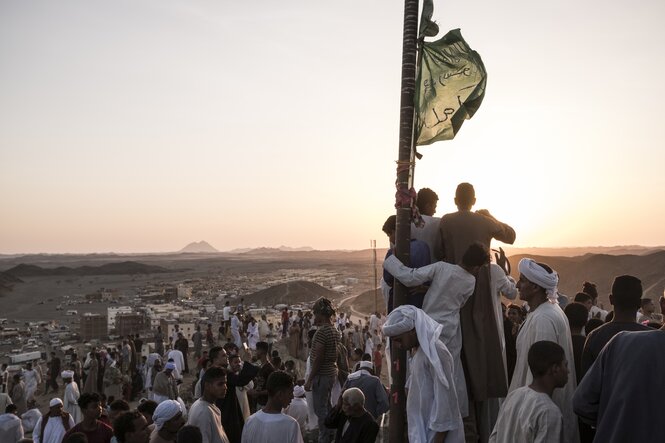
{"points": [[7, 282], [290, 293], [120, 268], [601, 269], [363, 304]]}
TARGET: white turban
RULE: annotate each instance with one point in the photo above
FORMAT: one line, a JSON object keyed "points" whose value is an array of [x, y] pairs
{"points": [[67, 374], [366, 365], [170, 365], [298, 391], [407, 317], [165, 411], [54, 402], [538, 275]]}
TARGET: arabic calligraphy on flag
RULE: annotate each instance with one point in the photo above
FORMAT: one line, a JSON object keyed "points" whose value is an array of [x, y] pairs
{"points": [[449, 89]]}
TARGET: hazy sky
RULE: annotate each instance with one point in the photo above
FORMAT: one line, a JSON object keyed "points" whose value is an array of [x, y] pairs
{"points": [[130, 125]]}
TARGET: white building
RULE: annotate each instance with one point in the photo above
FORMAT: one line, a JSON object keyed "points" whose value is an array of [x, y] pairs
{"points": [[112, 311]]}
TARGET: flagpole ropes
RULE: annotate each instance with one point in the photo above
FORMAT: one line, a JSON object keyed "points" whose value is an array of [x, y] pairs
{"points": [[397, 426]]}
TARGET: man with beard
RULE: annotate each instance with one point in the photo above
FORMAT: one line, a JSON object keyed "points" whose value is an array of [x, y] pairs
{"points": [[51, 427]]}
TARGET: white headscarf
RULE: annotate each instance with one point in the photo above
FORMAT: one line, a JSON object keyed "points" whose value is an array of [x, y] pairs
{"points": [[407, 317], [539, 275], [164, 412]]}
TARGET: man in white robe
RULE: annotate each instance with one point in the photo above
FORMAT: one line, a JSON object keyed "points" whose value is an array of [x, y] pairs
{"points": [[179, 361], [51, 428], [529, 415], [432, 407], [451, 286], [252, 334], [71, 396], [546, 321], [32, 380], [11, 429], [298, 408], [30, 417], [204, 414]]}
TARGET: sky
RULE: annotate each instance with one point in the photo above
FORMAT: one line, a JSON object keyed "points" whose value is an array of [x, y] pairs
{"points": [[141, 126]]}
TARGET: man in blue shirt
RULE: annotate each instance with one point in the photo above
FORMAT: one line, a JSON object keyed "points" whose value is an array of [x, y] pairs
{"points": [[420, 256]]}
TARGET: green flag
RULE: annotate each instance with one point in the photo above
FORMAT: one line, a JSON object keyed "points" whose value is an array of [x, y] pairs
{"points": [[449, 89]]}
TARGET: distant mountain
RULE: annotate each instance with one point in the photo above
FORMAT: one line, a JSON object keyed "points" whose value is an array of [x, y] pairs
{"points": [[300, 249], [121, 268], [265, 250], [198, 247], [577, 251], [290, 293], [7, 282]]}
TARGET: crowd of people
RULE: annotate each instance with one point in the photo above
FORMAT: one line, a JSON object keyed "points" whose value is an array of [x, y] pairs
{"points": [[482, 367], [227, 384]]}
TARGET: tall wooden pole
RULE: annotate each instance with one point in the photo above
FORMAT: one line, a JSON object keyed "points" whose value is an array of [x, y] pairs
{"points": [[376, 290], [403, 234]]}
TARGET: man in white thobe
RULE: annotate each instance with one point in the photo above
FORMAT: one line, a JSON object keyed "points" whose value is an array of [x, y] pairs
{"points": [[179, 361], [71, 396], [252, 334], [432, 407], [32, 380], [11, 429], [51, 427], [546, 321], [30, 417], [451, 286], [298, 408]]}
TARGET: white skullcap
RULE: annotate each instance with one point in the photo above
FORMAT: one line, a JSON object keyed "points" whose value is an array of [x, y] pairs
{"points": [[164, 412], [366, 365], [407, 317], [538, 275], [67, 374], [170, 365], [55, 402], [298, 391]]}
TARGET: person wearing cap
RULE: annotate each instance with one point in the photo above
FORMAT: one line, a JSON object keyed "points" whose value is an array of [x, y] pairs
{"points": [[71, 396], [168, 420], [52, 426], [537, 286], [164, 387], [270, 424], [298, 408], [376, 397], [432, 408]]}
